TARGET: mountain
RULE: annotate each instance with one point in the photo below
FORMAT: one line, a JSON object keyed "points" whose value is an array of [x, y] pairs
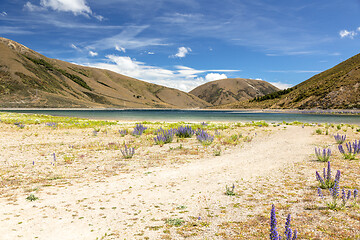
{"points": [[232, 90], [29, 79], [335, 88]]}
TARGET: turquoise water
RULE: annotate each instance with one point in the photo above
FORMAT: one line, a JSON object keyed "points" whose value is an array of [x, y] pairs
{"points": [[198, 115]]}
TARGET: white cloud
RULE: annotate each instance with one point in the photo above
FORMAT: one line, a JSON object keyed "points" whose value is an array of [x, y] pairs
{"points": [[74, 6], [77, 7], [150, 53], [33, 8], [346, 33], [93, 54], [181, 77], [120, 49], [281, 85], [182, 52], [4, 14], [215, 76]]}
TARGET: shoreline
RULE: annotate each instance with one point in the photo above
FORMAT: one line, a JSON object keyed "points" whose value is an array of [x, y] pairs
{"points": [[302, 111]]}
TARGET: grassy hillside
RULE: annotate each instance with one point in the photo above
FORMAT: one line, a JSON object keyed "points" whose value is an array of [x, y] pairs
{"points": [[29, 79], [232, 90], [338, 87]]}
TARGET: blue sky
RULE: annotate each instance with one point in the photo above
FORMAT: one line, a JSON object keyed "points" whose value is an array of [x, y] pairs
{"points": [[185, 43]]}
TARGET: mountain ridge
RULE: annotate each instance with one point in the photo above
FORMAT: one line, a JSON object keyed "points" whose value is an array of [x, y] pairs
{"points": [[29, 79], [225, 91], [335, 88]]}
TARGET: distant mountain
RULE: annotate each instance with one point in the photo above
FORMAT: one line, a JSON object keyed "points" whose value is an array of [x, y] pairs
{"points": [[338, 87], [29, 79], [232, 90]]}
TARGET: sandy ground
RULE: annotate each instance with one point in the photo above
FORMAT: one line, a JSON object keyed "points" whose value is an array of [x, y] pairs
{"points": [[136, 205]]}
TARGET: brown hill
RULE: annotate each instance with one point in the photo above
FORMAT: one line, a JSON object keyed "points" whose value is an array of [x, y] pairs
{"points": [[232, 90], [29, 79], [338, 87]]}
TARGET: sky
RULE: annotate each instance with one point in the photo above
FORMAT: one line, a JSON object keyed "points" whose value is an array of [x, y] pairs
{"points": [[185, 43]]}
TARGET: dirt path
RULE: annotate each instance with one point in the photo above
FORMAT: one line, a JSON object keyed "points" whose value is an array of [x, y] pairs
{"points": [[135, 205]]}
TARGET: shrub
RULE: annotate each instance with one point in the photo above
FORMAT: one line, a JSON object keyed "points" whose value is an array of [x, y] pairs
{"points": [[164, 136], [128, 152], [340, 138], [230, 190], [323, 155], [32, 197], [326, 181], [352, 150], [336, 202], [204, 138], [185, 132], [123, 132], [138, 130]]}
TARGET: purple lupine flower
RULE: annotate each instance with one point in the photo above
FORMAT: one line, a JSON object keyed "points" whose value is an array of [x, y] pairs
{"points": [[138, 130], [128, 152], [323, 155], [335, 190], [319, 178], [204, 137], [33, 163], [123, 132], [328, 176], [295, 235], [289, 235], [340, 138], [337, 176], [341, 149], [273, 231], [185, 132], [355, 193], [348, 195], [287, 225], [54, 157], [320, 193]]}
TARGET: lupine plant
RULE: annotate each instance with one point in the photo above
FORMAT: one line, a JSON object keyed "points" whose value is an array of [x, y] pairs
{"points": [[288, 234], [336, 201], [185, 132], [164, 136], [20, 125], [340, 138], [51, 124], [323, 155], [352, 150], [127, 152], [326, 181], [123, 132], [204, 138], [138, 130]]}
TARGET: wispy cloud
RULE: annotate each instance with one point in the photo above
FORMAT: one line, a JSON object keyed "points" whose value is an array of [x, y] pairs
{"points": [[4, 14], [294, 71], [182, 52], [13, 30], [128, 39], [180, 77]]}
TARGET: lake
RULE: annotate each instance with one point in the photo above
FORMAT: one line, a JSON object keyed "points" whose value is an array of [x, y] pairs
{"points": [[196, 115]]}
